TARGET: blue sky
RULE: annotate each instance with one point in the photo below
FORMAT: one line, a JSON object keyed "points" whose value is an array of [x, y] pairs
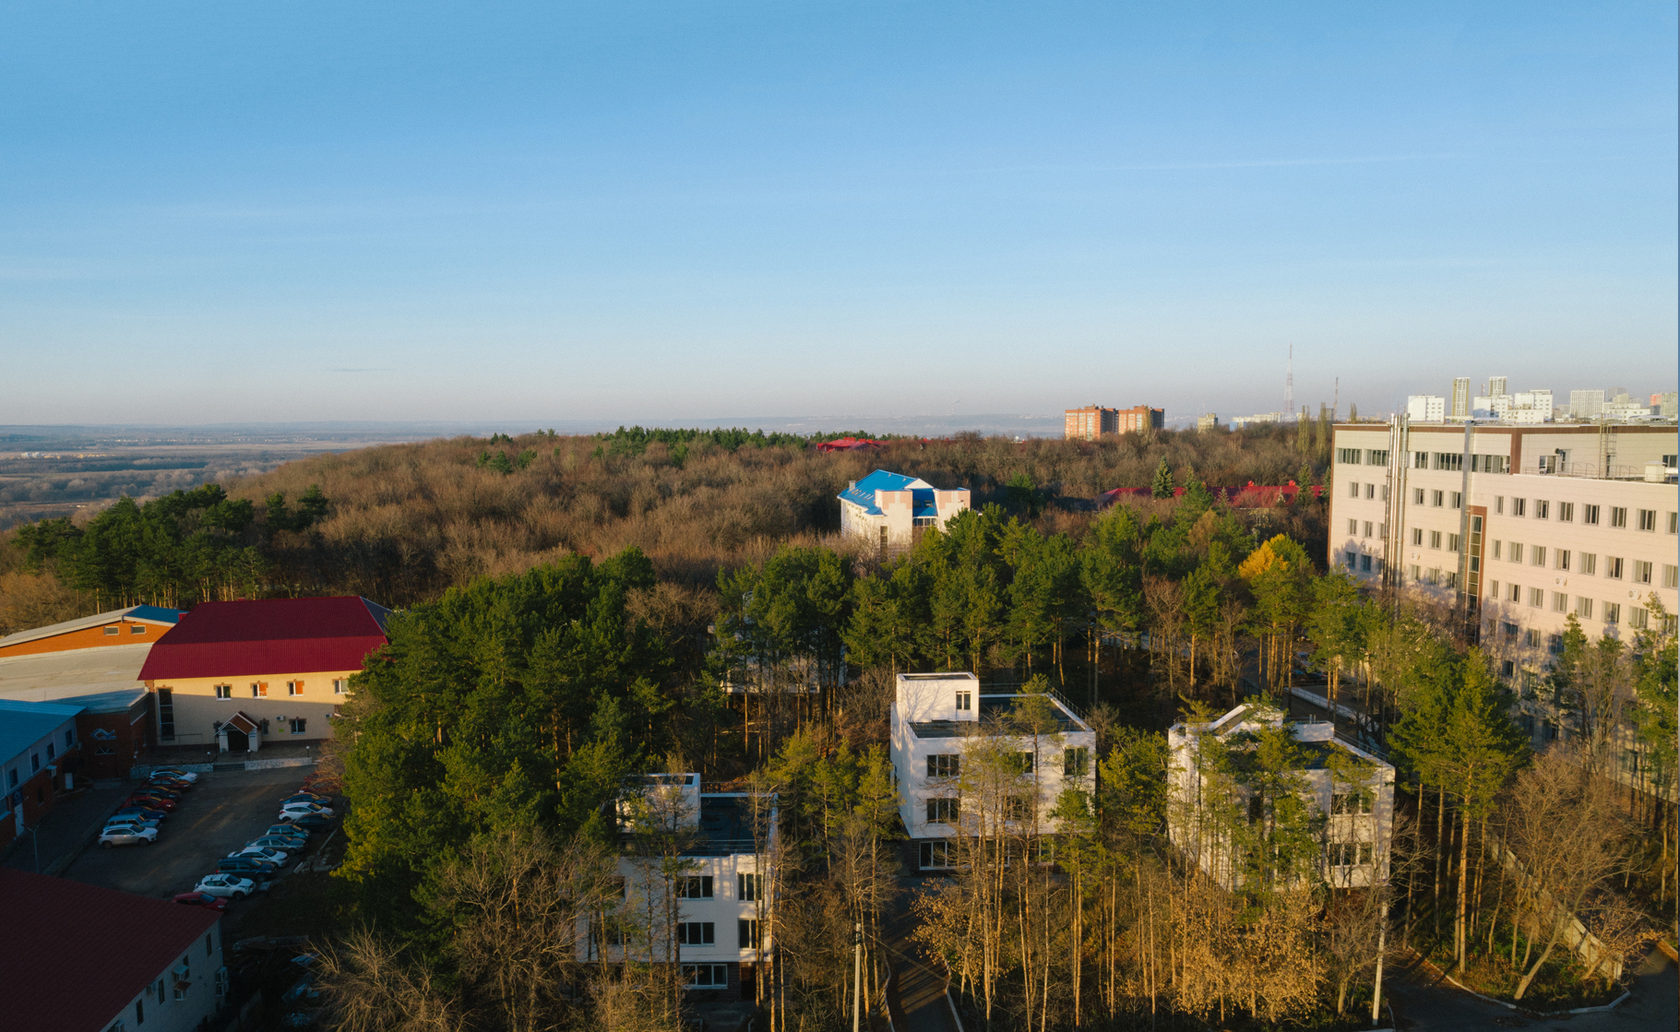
{"points": [[670, 212]]}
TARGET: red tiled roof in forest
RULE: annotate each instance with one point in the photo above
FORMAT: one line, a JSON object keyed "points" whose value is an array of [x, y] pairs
{"points": [[268, 636]]}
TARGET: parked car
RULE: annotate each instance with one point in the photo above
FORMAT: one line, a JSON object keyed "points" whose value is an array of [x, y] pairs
{"points": [[201, 899], [177, 772], [156, 792], [308, 820], [130, 822], [306, 797], [247, 866], [150, 802], [306, 806], [167, 783], [275, 856], [146, 812], [285, 845], [296, 831], [226, 885], [127, 837]]}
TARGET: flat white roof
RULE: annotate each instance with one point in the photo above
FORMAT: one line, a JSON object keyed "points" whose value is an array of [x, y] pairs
{"points": [[101, 679]]}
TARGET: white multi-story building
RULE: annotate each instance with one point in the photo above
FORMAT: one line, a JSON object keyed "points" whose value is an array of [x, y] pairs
{"points": [[697, 885], [948, 742], [1430, 408], [891, 511], [1348, 792], [1518, 527], [1586, 404]]}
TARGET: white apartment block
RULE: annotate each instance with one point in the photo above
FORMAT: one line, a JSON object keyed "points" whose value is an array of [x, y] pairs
{"points": [[697, 885], [1349, 795], [943, 730], [1426, 408], [1520, 526]]}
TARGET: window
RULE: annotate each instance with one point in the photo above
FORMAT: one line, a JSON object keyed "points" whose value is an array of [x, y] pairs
{"points": [[1451, 579], [11, 778], [52, 752], [943, 765], [1496, 548], [1641, 572], [1348, 455], [749, 886], [1516, 593], [694, 886], [1417, 496], [1672, 522], [69, 738], [1519, 506], [1452, 542], [1352, 558], [298, 725], [1364, 564], [259, 689], [1456, 500], [1417, 536], [706, 976], [1449, 460], [1350, 803], [1561, 558], [1433, 576], [1370, 490], [1648, 519], [1542, 509], [1076, 762], [1367, 528], [1612, 612], [1434, 539], [1638, 618], [935, 855], [1516, 551], [1531, 638], [1613, 566], [1023, 763], [1584, 608], [965, 701], [1353, 489], [1353, 527], [1376, 457], [942, 810], [1566, 512], [1537, 555], [341, 685], [137, 628], [294, 687], [1415, 572], [696, 933], [1435, 499], [1493, 589], [1350, 854], [1589, 562], [110, 630], [1536, 597], [1671, 576], [1420, 460], [1015, 808], [1618, 517], [1589, 515], [1499, 504], [1560, 602], [746, 934], [139, 1012], [224, 691], [1554, 642]]}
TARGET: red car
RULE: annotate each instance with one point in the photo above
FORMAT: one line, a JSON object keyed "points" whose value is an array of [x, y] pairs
{"points": [[151, 802], [202, 899]]}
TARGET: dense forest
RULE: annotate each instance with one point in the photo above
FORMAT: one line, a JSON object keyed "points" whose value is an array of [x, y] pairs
{"points": [[571, 607]]}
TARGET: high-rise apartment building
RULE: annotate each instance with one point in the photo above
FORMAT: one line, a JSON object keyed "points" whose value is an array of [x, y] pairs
{"points": [[1586, 404], [1088, 423], [1496, 386], [1460, 408]]}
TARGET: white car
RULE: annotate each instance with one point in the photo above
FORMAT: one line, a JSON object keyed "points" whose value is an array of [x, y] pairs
{"points": [[292, 811], [226, 885], [121, 836], [130, 821], [278, 856], [177, 773]]}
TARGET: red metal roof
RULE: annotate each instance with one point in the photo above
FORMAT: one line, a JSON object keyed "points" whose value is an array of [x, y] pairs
{"points": [[268, 636], [76, 955]]}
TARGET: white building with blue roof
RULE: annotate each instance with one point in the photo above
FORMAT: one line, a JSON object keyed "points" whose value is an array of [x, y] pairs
{"points": [[890, 511]]}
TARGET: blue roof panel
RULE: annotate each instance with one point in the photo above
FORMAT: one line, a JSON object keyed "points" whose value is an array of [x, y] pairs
{"points": [[22, 724], [863, 492]]}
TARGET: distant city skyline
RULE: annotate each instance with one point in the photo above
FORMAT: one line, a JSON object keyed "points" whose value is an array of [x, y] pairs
{"points": [[540, 214]]}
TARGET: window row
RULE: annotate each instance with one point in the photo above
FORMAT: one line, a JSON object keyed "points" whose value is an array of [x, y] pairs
{"points": [[1368, 456], [1438, 499], [259, 689], [1591, 514], [700, 886], [1436, 538], [1356, 490], [1585, 607]]}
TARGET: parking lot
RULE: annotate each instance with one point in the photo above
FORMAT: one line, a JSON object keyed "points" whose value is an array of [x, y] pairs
{"points": [[221, 813]]}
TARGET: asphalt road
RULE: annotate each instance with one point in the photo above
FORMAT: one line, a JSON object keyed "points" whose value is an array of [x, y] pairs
{"points": [[224, 811]]}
